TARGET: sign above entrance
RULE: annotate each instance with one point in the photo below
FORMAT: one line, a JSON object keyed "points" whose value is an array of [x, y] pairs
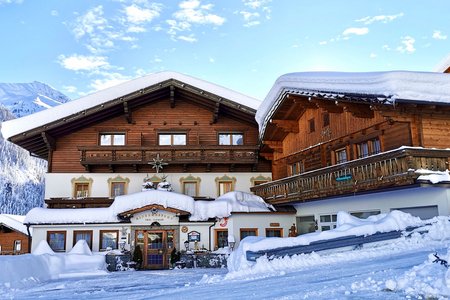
{"points": [[157, 216], [194, 236]]}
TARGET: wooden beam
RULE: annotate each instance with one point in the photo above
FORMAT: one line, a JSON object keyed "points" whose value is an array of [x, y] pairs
{"points": [[274, 145], [48, 140], [303, 101], [172, 96], [328, 105], [127, 112], [266, 155], [215, 116], [286, 125], [357, 110]]}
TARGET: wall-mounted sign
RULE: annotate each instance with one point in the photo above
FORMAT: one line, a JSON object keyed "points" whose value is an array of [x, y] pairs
{"points": [[161, 217], [194, 236], [274, 224]]}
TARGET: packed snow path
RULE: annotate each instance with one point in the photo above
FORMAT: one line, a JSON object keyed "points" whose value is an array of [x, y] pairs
{"points": [[342, 279]]}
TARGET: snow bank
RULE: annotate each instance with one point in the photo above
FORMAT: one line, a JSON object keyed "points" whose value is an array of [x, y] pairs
{"points": [[20, 271], [200, 210], [347, 225], [433, 176], [393, 86], [226, 204]]}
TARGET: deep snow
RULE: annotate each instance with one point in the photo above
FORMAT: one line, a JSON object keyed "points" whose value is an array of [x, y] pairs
{"points": [[396, 269]]}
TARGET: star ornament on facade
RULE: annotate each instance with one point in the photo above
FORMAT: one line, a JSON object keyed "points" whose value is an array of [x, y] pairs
{"points": [[158, 163]]}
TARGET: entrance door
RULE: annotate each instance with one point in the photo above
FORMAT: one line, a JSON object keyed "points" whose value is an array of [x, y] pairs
{"points": [[158, 245]]}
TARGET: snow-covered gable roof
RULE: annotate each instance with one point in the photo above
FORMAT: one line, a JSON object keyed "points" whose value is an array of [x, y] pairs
{"points": [[223, 206], [443, 65], [14, 222], [385, 87], [24, 124]]}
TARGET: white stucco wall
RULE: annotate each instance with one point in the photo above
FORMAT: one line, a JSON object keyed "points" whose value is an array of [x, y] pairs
{"points": [[60, 185], [384, 202]]}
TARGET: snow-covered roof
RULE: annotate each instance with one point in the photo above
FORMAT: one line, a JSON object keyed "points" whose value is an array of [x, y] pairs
{"points": [[386, 87], [221, 207], [17, 126], [443, 65], [14, 222], [433, 176]]}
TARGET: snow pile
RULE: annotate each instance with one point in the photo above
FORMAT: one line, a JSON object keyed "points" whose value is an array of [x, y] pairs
{"points": [[433, 176], [226, 204], [347, 225], [394, 85], [152, 197], [199, 210], [430, 280], [19, 271]]}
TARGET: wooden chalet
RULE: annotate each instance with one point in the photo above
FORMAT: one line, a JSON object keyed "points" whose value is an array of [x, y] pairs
{"points": [[335, 134], [14, 238]]}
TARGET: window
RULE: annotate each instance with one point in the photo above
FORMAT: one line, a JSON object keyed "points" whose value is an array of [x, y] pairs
{"points": [[221, 238], [298, 167], [172, 139], [376, 146], [341, 155], [81, 190], [83, 235], [190, 188], [231, 139], [109, 239], [326, 119], [57, 240], [306, 224], [312, 125], [365, 214], [362, 149], [248, 232], [17, 246], [190, 185], [112, 139], [117, 189], [259, 180], [225, 184], [328, 222], [274, 232]]}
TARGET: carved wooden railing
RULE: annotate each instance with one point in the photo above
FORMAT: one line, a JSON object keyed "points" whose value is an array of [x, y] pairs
{"points": [[116, 155], [384, 170]]}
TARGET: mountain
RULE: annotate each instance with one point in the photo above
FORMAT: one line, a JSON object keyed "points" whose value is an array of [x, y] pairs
{"points": [[26, 98], [21, 175]]}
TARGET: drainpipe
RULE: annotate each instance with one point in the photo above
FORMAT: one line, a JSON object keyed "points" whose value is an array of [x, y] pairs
{"points": [[29, 237], [209, 231]]}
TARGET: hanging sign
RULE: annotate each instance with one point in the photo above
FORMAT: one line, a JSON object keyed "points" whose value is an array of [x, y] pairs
{"points": [[194, 236]]}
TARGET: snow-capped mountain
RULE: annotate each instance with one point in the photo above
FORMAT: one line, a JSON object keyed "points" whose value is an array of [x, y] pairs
{"points": [[26, 98], [22, 176]]}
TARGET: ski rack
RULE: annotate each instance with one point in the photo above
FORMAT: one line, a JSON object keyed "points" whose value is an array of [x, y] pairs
{"points": [[352, 240]]}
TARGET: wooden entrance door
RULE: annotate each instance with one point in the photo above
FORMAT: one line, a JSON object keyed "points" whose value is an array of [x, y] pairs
{"points": [[158, 245]]}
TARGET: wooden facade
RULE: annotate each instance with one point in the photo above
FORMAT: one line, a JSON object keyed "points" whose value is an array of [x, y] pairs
{"points": [[323, 147], [12, 241]]}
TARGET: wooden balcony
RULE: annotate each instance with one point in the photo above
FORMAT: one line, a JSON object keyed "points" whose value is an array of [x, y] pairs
{"points": [[135, 155], [384, 170]]}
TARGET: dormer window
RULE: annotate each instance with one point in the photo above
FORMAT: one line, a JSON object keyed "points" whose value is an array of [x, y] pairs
{"points": [[231, 138], [112, 139]]}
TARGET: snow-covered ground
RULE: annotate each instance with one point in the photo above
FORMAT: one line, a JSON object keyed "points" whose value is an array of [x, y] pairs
{"points": [[396, 269]]}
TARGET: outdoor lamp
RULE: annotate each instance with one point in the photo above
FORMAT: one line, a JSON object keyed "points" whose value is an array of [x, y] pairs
{"points": [[231, 244], [186, 245]]}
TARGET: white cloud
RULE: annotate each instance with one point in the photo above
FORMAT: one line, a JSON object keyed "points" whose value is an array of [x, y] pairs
{"points": [[136, 14], [192, 12], [323, 43], [438, 35], [373, 55], [108, 80], [254, 11], [136, 29], [77, 62], [54, 13], [381, 18], [70, 89], [386, 47], [90, 22], [10, 2], [407, 45], [190, 39], [356, 31], [212, 60]]}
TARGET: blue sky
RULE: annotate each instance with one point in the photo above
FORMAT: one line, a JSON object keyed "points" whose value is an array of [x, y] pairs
{"points": [[81, 46]]}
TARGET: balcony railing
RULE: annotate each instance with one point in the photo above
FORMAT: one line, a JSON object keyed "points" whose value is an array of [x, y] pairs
{"points": [[384, 170], [122, 155]]}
